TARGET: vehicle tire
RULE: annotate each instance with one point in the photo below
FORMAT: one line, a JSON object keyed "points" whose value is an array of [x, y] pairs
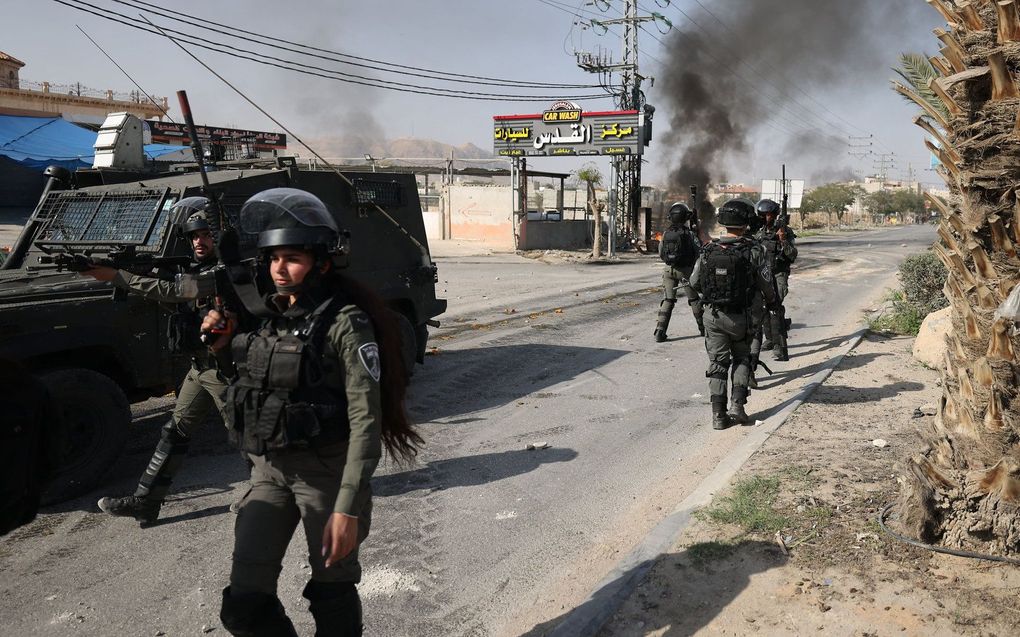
{"points": [[97, 416], [421, 338], [408, 343]]}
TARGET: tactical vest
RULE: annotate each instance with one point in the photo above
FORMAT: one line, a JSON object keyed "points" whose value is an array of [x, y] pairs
{"points": [[183, 327], [727, 276], [679, 247], [281, 397]]}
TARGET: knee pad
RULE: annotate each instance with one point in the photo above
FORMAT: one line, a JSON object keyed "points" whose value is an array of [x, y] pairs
{"points": [[336, 607], [255, 615], [172, 433]]}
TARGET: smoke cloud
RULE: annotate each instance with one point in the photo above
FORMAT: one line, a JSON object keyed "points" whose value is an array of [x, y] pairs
{"points": [[783, 51]]}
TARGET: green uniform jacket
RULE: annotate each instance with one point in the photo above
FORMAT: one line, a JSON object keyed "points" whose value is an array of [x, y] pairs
{"points": [[183, 288], [349, 343]]}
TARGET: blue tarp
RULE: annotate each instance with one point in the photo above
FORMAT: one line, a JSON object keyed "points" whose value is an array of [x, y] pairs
{"points": [[37, 142]]}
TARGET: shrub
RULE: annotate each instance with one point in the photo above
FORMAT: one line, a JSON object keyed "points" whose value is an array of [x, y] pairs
{"points": [[922, 276]]}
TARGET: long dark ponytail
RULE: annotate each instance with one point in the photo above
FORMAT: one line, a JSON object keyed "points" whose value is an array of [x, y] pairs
{"points": [[398, 434]]}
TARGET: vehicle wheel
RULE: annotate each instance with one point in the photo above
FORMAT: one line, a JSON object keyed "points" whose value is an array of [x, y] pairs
{"points": [[408, 343], [421, 338], [97, 416]]}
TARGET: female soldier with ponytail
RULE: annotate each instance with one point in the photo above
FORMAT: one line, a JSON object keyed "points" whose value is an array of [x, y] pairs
{"points": [[319, 390]]}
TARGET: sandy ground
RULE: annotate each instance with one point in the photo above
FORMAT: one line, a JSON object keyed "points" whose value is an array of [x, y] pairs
{"points": [[842, 575]]}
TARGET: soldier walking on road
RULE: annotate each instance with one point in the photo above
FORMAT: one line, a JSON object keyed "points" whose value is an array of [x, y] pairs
{"points": [[678, 249], [777, 238], [731, 275], [191, 294], [319, 390]]}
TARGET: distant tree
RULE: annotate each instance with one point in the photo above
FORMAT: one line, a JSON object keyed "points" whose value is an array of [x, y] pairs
{"points": [[830, 199], [591, 176], [908, 202], [881, 203]]}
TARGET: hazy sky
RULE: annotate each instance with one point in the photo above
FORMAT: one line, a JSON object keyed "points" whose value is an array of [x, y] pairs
{"points": [[529, 40]]}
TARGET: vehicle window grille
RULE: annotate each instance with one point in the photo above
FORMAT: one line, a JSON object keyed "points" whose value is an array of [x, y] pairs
{"points": [[381, 193], [120, 218]]}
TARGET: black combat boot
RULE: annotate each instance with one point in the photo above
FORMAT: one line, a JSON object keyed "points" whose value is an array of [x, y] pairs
{"points": [[781, 354], [752, 382], [662, 321], [737, 414], [660, 335], [154, 484], [255, 615], [336, 608], [720, 420], [767, 346], [138, 507]]}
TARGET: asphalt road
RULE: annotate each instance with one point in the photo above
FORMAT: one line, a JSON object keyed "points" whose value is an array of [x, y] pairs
{"points": [[482, 536]]}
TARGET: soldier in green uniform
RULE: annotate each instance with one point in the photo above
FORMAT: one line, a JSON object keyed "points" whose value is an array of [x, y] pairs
{"points": [[319, 391], [189, 293], [678, 249], [779, 242], [732, 275]]}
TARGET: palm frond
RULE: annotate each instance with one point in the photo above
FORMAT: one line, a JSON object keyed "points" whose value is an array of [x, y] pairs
{"points": [[917, 72]]}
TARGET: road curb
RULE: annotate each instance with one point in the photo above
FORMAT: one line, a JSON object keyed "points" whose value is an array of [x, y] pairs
{"points": [[607, 597]]}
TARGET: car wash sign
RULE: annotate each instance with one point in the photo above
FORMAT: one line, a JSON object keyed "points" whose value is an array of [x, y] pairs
{"points": [[565, 129]]}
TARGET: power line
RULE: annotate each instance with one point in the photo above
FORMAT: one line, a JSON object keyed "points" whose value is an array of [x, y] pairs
{"points": [[361, 61], [306, 69]]}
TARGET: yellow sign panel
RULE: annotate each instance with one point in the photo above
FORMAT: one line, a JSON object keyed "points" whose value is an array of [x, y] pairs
{"points": [[616, 150], [511, 152], [561, 116]]}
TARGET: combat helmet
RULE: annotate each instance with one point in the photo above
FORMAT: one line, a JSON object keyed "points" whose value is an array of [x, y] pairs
{"points": [[293, 217], [768, 207], [195, 213], [679, 213], [736, 213]]}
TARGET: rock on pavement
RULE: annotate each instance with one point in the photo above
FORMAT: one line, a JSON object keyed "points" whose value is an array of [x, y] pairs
{"points": [[930, 344]]}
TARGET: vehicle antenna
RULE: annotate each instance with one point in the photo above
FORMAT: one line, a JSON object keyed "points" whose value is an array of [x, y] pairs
{"points": [[425, 253], [150, 98]]}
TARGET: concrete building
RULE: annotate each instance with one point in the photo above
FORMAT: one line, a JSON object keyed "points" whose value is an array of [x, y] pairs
{"points": [[73, 102]]}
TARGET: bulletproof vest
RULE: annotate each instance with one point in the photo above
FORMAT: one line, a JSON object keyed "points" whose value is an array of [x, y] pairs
{"points": [[727, 276], [679, 247], [281, 397]]}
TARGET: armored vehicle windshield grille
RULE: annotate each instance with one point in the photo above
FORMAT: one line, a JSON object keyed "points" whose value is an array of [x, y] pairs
{"points": [[121, 218], [381, 193]]}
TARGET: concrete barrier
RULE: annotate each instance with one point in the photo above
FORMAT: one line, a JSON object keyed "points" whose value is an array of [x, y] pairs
{"points": [[556, 235]]}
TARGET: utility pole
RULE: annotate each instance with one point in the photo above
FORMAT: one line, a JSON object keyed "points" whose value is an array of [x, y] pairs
{"points": [[625, 197], [857, 146], [884, 162]]}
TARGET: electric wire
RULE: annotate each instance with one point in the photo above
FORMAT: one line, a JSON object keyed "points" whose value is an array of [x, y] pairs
{"points": [[290, 65], [425, 253], [103, 51], [335, 56], [198, 21], [940, 549]]}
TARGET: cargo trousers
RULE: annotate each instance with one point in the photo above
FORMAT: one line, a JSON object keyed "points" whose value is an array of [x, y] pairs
{"points": [[287, 487], [728, 343], [674, 279], [203, 389]]}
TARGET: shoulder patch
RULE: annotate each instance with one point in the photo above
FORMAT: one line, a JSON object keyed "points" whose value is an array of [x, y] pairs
{"points": [[369, 355], [766, 273]]}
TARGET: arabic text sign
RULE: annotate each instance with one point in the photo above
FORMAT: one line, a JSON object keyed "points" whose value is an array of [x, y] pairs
{"points": [[171, 133], [568, 132], [773, 189]]}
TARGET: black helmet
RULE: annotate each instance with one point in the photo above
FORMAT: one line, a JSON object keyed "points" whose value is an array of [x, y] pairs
{"points": [[735, 213], [768, 207], [290, 217], [679, 213], [195, 213]]}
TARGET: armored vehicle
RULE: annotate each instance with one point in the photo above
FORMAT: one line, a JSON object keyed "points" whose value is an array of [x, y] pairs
{"points": [[99, 349]]}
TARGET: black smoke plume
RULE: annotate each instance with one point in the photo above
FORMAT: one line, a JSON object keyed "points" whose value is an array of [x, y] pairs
{"points": [[782, 50]]}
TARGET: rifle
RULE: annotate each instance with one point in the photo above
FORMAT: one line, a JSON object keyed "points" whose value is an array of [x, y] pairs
{"points": [[121, 258], [784, 216]]}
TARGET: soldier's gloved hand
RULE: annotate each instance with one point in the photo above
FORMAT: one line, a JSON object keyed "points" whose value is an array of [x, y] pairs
{"points": [[101, 272], [223, 324], [339, 537], [781, 233]]}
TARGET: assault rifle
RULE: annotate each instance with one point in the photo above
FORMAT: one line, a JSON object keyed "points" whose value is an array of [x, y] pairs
{"points": [[784, 216], [121, 258]]}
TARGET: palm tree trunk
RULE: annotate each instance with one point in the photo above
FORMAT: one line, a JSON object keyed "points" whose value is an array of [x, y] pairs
{"points": [[963, 490]]}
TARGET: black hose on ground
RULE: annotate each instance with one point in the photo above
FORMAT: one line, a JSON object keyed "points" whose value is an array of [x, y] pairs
{"points": [[939, 549]]}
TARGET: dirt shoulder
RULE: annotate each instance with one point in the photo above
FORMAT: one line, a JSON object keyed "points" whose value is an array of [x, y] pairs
{"points": [[818, 483]]}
